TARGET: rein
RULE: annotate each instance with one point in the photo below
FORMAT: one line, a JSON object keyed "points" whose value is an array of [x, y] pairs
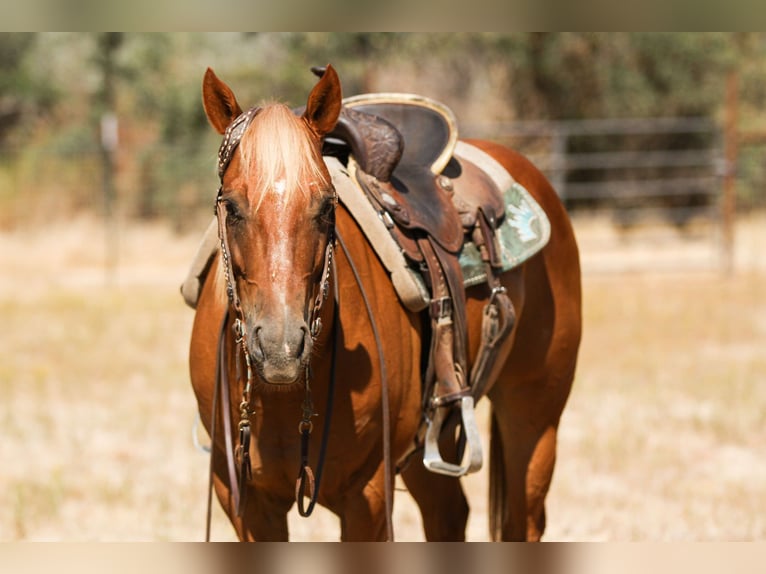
{"points": [[388, 480], [305, 475]]}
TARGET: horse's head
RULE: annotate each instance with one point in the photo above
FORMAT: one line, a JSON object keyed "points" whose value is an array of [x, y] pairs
{"points": [[276, 212]]}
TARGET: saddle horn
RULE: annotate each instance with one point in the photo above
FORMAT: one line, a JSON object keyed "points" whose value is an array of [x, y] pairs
{"points": [[375, 143]]}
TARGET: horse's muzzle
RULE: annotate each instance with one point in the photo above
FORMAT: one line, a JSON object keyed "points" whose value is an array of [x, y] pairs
{"points": [[280, 356]]}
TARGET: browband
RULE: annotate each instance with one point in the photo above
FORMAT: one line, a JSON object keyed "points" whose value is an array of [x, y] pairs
{"points": [[231, 138]]}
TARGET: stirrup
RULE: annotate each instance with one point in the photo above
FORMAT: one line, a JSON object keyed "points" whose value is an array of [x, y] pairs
{"points": [[432, 458]]}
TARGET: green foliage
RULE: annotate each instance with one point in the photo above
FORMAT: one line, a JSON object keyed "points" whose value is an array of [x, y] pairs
{"points": [[52, 86], [588, 75], [23, 91]]}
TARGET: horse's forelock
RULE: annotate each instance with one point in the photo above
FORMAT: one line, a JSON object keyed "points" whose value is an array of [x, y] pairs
{"points": [[279, 154]]}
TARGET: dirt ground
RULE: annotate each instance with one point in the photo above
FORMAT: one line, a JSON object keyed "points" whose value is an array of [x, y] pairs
{"points": [[664, 437]]}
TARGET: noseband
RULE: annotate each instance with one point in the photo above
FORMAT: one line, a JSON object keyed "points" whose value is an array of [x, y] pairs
{"points": [[241, 453], [232, 137]]}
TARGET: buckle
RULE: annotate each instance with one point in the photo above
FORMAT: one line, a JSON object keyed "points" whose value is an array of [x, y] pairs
{"points": [[385, 217], [441, 308]]}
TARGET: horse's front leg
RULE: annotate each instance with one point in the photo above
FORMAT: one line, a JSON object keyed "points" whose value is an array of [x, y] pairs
{"points": [[441, 500], [363, 513], [264, 518]]}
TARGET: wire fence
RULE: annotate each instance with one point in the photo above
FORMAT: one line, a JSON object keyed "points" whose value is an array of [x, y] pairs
{"points": [[657, 180]]}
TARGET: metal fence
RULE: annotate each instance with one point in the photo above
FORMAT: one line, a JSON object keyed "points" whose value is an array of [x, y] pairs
{"points": [[643, 173]]}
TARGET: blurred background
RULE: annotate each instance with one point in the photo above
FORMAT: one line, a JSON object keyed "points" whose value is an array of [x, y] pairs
{"points": [[76, 105], [656, 143]]}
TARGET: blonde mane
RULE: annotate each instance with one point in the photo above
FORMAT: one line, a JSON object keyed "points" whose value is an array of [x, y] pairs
{"points": [[278, 153]]}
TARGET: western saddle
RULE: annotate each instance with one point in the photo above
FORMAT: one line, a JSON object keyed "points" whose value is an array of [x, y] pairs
{"points": [[399, 149]]}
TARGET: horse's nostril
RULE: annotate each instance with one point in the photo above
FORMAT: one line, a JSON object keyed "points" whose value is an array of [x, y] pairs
{"points": [[257, 349], [302, 343]]}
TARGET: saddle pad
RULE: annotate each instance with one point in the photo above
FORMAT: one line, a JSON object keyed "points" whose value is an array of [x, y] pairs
{"points": [[523, 232]]}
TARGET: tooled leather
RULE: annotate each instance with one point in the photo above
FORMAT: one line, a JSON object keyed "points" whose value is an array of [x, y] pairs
{"points": [[474, 190], [416, 203], [376, 145]]}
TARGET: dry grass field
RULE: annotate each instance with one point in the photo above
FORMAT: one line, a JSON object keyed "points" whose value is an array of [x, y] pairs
{"points": [[664, 437]]}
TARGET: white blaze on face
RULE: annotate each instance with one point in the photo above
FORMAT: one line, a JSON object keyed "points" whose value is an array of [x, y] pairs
{"points": [[280, 264]]}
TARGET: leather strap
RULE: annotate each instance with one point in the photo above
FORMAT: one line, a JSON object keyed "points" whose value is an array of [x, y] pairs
{"points": [[445, 374], [388, 480], [221, 388], [499, 316], [225, 389], [306, 481]]}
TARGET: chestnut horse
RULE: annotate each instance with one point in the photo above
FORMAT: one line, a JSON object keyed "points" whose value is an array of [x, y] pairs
{"points": [[279, 218]]}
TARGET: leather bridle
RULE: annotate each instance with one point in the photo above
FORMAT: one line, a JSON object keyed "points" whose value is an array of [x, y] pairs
{"points": [[231, 139]]}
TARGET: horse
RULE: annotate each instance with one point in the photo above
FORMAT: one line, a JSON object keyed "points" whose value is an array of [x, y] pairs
{"points": [[286, 306]]}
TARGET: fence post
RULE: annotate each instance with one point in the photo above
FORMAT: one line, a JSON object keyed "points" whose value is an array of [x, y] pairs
{"points": [[108, 43], [729, 207], [559, 138]]}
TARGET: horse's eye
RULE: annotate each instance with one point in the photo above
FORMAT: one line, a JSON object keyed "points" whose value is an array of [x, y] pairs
{"points": [[233, 213], [326, 211]]}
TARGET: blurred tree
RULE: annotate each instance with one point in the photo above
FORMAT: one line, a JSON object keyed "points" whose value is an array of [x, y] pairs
{"points": [[22, 92], [585, 74], [49, 82], [356, 55]]}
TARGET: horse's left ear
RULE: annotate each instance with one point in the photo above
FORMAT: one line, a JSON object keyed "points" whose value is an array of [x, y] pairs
{"points": [[323, 107]]}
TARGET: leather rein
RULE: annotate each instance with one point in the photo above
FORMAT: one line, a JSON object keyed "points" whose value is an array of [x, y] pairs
{"points": [[307, 485]]}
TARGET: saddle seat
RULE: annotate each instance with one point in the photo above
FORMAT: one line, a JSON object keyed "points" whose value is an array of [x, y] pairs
{"points": [[404, 145]]}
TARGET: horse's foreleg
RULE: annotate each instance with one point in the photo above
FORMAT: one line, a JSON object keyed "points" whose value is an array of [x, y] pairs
{"points": [[363, 514], [442, 503], [264, 518]]}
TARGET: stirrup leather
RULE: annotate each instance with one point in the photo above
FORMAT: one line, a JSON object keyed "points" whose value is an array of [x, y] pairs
{"points": [[446, 375]]}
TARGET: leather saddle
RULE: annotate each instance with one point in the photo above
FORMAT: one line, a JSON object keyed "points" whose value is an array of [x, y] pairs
{"points": [[399, 148]]}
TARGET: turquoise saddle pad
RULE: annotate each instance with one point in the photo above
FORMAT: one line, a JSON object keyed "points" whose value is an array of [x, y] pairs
{"points": [[524, 231]]}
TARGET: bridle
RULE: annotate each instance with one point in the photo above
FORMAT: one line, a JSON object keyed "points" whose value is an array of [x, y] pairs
{"points": [[239, 455], [231, 139]]}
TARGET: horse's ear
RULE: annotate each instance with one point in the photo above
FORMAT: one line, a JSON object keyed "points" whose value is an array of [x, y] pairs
{"points": [[220, 104], [323, 107]]}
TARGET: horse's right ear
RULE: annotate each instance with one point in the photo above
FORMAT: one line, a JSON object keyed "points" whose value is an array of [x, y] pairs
{"points": [[221, 106]]}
